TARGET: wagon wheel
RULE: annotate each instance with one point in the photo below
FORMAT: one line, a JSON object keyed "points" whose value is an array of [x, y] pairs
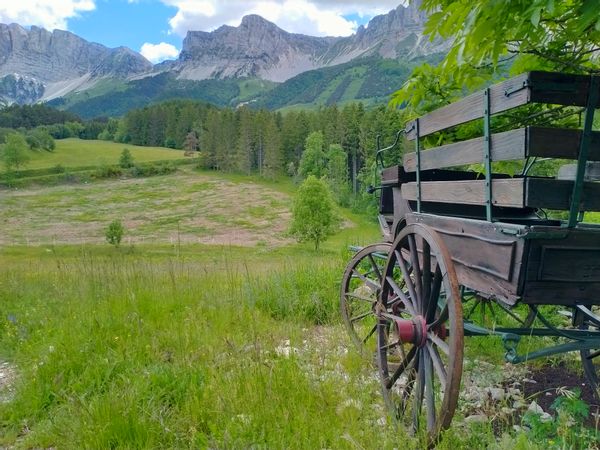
{"points": [[590, 359], [489, 313], [420, 332], [360, 290]]}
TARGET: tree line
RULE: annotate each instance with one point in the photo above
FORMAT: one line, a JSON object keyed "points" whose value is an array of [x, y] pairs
{"points": [[260, 142]]}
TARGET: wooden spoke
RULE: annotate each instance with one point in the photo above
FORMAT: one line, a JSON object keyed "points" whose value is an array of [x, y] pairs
{"points": [[437, 341], [368, 336], [361, 298], [375, 268], [432, 302], [418, 394], [407, 280], [361, 316], [426, 278], [406, 300], [367, 281], [403, 365], [437, 364], [414, 260], [429, 392]]}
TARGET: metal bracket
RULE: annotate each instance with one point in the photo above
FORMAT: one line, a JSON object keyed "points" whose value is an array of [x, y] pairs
{"points": [[487, 157], [584, 146], [525, 85]]}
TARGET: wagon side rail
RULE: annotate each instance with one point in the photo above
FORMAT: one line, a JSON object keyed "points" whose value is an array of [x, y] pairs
{"points": [[525, 143]]}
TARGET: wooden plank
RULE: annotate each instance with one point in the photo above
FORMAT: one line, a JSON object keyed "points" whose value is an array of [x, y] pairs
{"points": [[510, 145], [556, 194], [561, 293], [538, 87], [471, 107], [559, 88], [560, 143], [505, 146], [507, 193], [391, 175]]}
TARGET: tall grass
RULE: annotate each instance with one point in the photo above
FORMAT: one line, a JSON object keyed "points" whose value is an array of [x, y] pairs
{"points": [[120, 351]]}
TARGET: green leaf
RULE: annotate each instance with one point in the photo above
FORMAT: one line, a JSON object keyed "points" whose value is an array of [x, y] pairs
{"points": [[536, 16]]}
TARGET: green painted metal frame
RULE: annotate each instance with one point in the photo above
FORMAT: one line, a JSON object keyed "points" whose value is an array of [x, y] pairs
{"points": [[487, 155], [418, 153], [574, 212], [582, 340]]}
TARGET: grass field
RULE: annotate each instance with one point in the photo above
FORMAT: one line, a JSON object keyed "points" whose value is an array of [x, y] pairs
{"points": [[72, 153], [177, 342], [187, 207]]}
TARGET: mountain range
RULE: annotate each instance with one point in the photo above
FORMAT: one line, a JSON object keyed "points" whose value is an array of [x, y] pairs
{"points": [[230, 65]]}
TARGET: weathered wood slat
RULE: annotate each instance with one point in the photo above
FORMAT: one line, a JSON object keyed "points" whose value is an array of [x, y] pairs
{"points": [[509, 145], [560, 143], [509, 193], [471, 107], [505, 146], [538, 87], [556, 194]]}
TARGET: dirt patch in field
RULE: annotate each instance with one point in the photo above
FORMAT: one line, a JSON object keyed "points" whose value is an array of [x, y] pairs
{"points": [[182, 208], [552, 380]]}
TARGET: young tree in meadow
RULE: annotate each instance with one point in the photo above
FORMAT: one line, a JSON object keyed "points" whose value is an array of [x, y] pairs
{"points": [[14, 152], [312, 161], [126, 159], [314, 214]]}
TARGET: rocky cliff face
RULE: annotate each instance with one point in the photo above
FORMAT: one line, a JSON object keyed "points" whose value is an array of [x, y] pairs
{"points": [[61, 61], [258, 48]]}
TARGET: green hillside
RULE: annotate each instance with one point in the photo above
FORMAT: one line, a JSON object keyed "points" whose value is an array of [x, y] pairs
{"points": [[115, 100], [71, 153], [369, 80]]}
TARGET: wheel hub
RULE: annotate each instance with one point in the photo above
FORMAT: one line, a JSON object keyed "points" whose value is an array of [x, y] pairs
{"points": [[412, 331]]}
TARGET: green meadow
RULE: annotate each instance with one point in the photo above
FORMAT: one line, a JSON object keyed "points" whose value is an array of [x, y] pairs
{"points": [[72, 153]]}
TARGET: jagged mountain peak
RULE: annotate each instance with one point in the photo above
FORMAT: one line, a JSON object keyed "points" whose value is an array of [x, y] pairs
{"points": [[254, 20], [259, 48]]}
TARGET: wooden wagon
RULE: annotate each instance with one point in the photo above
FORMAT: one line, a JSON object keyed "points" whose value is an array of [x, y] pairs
{"points": [[469, 253]]}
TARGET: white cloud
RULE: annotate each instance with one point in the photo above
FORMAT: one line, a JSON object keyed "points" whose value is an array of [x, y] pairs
{"points": [[312, 17], [47, 14], [156, 53]]}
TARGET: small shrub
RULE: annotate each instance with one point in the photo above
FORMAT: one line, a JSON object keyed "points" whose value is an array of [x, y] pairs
{"points": [[115, 232], [126, 160]]}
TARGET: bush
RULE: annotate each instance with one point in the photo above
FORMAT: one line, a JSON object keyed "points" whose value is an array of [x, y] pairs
{"points": [[114, 233], [126, 160]]}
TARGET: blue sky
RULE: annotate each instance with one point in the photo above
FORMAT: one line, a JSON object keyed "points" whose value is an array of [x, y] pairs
{"points": [[156, 28]]}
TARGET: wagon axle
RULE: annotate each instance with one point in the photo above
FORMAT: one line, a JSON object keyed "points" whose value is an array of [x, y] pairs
{"points": [[412, 331]]}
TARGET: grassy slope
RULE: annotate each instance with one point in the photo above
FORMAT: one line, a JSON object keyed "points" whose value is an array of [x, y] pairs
{"points": [[73, 152]]}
